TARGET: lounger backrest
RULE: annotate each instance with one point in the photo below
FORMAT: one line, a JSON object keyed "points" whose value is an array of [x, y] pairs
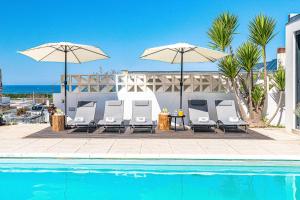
{"points": [[225, 109], [115, 109], [197, 108], [142, 108], [86, 110]]}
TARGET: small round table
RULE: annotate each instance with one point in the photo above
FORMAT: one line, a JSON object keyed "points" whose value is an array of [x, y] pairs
{"points": [[175, 118]]}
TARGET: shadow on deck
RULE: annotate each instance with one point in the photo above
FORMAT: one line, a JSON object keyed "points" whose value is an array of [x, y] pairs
{"points": [[127, 134]]}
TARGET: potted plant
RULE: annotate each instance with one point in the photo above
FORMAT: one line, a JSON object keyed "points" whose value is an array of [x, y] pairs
{"points": [[52, 111]]}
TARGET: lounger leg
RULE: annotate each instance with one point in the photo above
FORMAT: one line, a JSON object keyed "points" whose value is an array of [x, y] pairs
{"points": [[183, 123]]}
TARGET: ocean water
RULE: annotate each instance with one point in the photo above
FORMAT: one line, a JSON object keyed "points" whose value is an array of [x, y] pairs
{"points": [[29, 89], [41, 180]]}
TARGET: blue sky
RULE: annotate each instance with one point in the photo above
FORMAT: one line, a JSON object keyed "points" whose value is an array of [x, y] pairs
{"points": [[123, 29]]}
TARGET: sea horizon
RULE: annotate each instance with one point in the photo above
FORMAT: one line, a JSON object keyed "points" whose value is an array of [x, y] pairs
{"points": [[30, 89]]}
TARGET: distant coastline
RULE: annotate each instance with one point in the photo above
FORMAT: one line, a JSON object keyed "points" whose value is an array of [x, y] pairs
{"points": [[30, 89]]}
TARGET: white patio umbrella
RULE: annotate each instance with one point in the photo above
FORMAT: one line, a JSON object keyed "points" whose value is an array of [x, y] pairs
{"points": [[65, 52], [182, 53]]}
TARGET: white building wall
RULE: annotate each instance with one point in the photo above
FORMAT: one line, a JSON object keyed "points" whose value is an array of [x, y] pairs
{"points": [[290, 65], [273, 101]]}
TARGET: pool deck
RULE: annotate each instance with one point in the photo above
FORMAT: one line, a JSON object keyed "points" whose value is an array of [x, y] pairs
{"points": [[278, 145]]}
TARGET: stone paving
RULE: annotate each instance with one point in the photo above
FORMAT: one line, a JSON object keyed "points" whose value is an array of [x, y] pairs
{"points": [[13, 143]]}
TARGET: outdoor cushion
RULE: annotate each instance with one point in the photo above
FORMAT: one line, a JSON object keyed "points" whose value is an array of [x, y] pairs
{"points": [[198, 102], [224, 102], [116, 122], [141, 103], [85, 104], [114, 103]]}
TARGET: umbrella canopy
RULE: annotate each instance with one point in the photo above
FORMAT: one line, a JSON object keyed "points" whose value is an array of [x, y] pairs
{"points": [[65, 52], [55, 52], [182, 53]]}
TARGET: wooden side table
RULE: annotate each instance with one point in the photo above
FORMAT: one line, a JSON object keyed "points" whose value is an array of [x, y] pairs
{"points": [[163, 122], [58, 123]]}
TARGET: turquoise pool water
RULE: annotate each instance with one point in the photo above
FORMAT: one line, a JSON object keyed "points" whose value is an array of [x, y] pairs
{"points": [[111, 179]]}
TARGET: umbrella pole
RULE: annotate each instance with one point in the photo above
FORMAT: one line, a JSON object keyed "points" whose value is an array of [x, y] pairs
{"points": [[181, 77], [65, 83]]}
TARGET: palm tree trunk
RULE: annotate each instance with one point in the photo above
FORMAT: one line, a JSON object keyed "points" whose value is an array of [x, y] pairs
{"points": [[250, 96], [237, 99], [251, 77], [265, 75], [277, 109], [265, 70]]}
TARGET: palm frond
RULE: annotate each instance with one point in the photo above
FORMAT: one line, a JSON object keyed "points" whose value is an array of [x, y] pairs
{"points": [[279, 79], [229, 67], [248, 55], [222, 31], [262, 30]]}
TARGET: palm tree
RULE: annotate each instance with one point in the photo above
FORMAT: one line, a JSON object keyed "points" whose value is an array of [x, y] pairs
{"points": [[279, 83], [229, 68], [261, 33], [248, 55], [222, 31]]}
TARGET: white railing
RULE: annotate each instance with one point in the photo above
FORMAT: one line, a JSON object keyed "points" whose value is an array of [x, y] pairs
{"points": [[146, 82]]}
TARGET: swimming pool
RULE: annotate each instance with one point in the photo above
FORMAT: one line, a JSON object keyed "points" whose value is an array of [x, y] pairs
{"points": [[148, 179]]}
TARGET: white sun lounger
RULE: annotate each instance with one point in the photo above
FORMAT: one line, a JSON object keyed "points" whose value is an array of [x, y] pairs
{"points": [[142, 115], [85, 115], [113, 115], [228, 117], [199, 116]]}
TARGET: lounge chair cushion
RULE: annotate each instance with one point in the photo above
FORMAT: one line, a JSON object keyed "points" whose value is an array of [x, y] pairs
{"points": [[85, 113], [116, 122], [198, 102], [141, 108], [113, 113], [141, 103], [198, 112], [225, 110], [85, 104], [114, 103], [225, 103]]}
